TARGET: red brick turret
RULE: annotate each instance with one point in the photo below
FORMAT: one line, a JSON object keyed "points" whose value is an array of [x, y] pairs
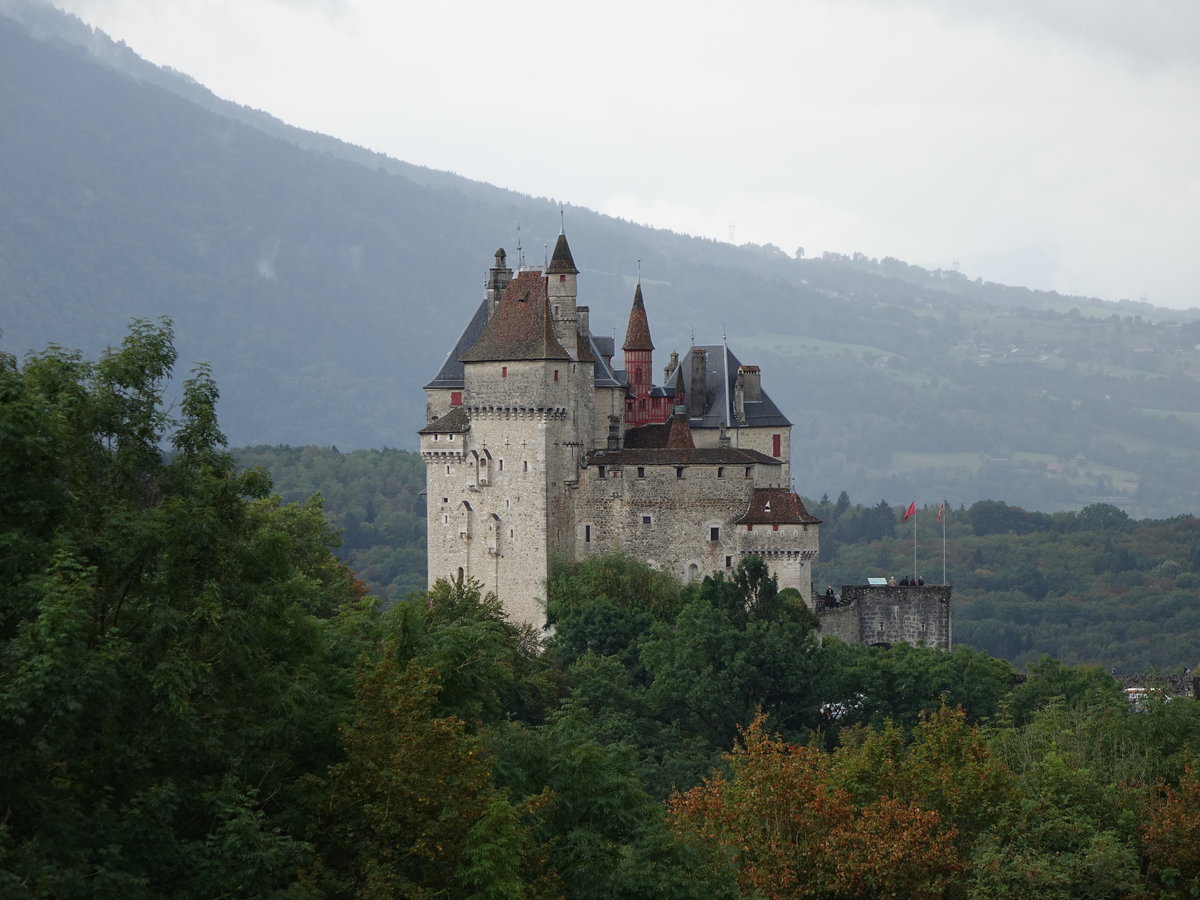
{"points": [[639, 363]]}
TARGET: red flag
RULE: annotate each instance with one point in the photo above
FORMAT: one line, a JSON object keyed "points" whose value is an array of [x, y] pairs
{"points": [[911, 511], [941, 510]]}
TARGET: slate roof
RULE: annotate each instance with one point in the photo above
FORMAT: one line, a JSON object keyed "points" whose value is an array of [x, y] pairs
{"points": [[453, 422], [450, 375], [605, 376], [637, 335], [720, 376], [561, 263], [776, 506], [520, 328], [670, 456], [604, 345]]}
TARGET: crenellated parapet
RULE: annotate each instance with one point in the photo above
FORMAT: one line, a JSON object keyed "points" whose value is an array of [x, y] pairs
{"points": [[881, 615], [495, 413]]}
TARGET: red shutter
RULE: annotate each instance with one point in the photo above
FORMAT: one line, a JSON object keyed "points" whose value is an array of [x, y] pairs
{"points": [[456, 398], [776, 444]]}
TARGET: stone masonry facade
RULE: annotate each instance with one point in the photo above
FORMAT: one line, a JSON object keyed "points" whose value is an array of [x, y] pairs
{"points": [[880, 615]]}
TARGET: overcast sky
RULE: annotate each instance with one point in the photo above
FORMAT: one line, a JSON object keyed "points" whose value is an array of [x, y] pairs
{"points": [[1048, 143]]}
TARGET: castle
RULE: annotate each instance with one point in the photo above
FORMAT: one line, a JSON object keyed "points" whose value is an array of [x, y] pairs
{"points": [[538, 449]]}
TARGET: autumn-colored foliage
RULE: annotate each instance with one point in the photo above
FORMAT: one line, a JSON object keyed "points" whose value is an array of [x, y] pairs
{"points": [[1171, 835], [790, 832]]}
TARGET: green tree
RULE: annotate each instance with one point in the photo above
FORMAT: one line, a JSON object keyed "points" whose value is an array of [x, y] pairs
{"points": [[736, 645], [171, 671], [412, 811], [1050, 680], [606, 606]]}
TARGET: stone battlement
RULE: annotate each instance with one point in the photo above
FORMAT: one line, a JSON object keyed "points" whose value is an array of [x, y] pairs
{"points": [[880, 615]]}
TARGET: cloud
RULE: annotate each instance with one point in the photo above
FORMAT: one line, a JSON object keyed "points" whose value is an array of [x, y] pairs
{"points": [[1148, 34]]}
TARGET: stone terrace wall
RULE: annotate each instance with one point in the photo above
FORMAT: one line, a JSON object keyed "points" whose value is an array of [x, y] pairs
{"points": [[869, 614]]}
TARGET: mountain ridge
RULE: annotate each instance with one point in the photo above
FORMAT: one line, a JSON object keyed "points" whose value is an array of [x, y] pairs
{"points": [[325, 284]]}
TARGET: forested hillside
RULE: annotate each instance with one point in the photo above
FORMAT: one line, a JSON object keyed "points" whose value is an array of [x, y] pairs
{"points": [[1093, 586], [373, 498], [196, 700], [1089, 587], [324, 284]]}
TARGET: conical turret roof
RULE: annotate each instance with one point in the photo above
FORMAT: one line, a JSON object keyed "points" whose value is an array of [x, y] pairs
{"points": [[637, 336], [561, 263]]}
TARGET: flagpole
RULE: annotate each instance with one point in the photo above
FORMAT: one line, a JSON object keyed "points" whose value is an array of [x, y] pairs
{"points": [[914, 574], [942, 516]]}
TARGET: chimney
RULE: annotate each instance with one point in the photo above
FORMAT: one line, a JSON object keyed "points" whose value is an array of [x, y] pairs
{"points": [[614, 433], [584, 327], [751, 378], [747, 389], [498, 279], [696, 392]]}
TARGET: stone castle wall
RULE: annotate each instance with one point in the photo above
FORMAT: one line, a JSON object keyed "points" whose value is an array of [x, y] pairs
{"points": [[871, 614], [611, 512], [760, 439]]}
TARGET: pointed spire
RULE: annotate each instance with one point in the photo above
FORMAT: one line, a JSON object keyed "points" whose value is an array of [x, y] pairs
{"points": [[561, 263], [679, 433], [637, 336]]}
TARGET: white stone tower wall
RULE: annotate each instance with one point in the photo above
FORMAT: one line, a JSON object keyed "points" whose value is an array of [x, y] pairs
{"points": [[561, 293], [788, 552]]}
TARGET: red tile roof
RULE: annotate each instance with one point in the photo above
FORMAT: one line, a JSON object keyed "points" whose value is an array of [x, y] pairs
{"points": [[637, 336], [680, 435], [776, 506], [453, 422], [520, 328]]}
